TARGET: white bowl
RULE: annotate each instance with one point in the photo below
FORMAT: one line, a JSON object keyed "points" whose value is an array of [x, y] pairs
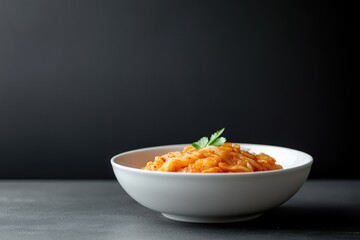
{"points": [[211, 197]]}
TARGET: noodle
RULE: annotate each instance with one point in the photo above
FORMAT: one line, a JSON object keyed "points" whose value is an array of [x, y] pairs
{"points": [[225, 158]]}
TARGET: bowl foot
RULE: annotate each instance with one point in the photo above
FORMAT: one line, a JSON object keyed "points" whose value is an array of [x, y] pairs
{"points": [[196, 219]]}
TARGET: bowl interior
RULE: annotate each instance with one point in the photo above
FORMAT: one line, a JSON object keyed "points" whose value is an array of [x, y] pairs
{"points": [[288, 158]]}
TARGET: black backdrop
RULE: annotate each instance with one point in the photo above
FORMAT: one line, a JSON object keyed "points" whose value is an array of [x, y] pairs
{"points": [[81, 81]]}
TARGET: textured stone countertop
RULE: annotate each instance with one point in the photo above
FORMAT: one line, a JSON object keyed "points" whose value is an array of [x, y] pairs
{"points": [[36, 210]]}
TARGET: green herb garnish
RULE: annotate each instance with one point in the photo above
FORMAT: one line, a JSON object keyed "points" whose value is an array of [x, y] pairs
{"points": [[215, 140]]}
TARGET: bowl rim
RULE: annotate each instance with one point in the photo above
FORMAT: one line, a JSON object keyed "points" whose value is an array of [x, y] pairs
{"points": [[307, 164]]}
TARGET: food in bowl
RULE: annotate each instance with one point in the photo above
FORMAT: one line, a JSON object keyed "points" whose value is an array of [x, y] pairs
{"points": [[226, 158], [212, 197], [204, 156]]}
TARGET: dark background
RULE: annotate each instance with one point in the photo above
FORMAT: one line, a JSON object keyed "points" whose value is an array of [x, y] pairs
{"points": [[81, 81]]}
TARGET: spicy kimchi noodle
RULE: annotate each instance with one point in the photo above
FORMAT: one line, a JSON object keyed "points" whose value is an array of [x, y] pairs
{"points": [[228, 157]]}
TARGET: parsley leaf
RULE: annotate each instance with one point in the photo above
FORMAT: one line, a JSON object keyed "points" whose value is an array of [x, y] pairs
{"points": [[215, 140], [215, 136], [201, 143], [218, 141]]}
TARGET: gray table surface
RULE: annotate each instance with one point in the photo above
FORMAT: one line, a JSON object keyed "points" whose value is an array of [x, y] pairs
{"points": [[322, 209]]}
